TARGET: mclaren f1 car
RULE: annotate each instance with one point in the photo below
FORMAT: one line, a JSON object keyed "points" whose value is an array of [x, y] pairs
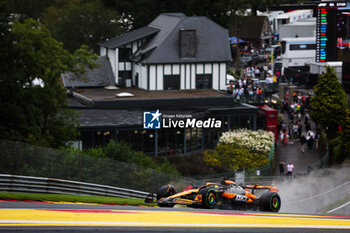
{"points": [[224, 195]]}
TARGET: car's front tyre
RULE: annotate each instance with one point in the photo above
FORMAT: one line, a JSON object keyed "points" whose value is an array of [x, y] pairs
{"points": [[270, 201], [165, 191]]}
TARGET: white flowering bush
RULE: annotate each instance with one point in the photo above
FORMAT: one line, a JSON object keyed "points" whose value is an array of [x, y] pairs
{"points": [[259, 141]]}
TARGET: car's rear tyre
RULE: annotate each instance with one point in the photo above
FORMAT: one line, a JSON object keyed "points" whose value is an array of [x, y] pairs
{"points": [[209, 198], [165, 191], [270, 201]]}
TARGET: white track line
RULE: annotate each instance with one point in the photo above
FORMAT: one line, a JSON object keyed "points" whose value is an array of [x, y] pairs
{"points": [[339, 207]]}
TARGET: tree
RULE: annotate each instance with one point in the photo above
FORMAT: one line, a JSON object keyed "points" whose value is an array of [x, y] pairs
{"points": [[345, 137], [32, 113], [28, 8], [329, 104], [80, 22], [220, 11]]}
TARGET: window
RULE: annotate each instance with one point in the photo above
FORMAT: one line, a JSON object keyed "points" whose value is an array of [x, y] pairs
{"points": [[302, 46], [203, 81], [171, 82], [124, 54], [188, 43], [123, 76]]}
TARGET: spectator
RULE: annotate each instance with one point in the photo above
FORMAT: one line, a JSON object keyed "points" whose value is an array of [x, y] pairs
{"points": [[278, 74], [306, 118], [257, 72], [285, 138], [229, 89], [269, 79], [259, 94], [282, 166], [310, 140], [270, 73], [317, 138], [295, 131], [281, 137], [274, 79], [290, 169]]}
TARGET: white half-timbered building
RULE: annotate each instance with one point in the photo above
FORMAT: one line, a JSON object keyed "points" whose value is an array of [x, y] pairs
{"points": [[174, 52]]}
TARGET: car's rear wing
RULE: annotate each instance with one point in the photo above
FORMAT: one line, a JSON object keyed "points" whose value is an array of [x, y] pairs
{"points": [[252, 187]]}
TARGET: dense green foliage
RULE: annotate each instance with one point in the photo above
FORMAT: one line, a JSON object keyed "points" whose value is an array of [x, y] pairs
{"points": [[73, 198], [344, 143], [124, 153], [220, 11], [330, 103], [138, 172], [28, 8], [80, 22], [37, 114], [72, 18], [234, 157]]}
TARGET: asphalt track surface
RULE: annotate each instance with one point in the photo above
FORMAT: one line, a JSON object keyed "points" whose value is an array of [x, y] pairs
{"points": [[53, 217]]}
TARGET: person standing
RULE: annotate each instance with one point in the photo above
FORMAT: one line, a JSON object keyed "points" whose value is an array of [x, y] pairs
{"points": [[282, 166], [290, 169], [285, 137], [310, 140], [281, 137], [317, 138], [306, 119], [302, 143], [295, 131]]}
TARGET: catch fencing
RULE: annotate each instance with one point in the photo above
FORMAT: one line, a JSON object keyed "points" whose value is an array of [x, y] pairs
{"points": [[13, 183], [320, 201], [27, 160]]}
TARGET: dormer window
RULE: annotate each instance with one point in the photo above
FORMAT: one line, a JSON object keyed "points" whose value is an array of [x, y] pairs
{"points": [[187, 43]]}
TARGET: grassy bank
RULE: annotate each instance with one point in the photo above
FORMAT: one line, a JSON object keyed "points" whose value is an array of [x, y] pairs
{"points": [[72, 198]]}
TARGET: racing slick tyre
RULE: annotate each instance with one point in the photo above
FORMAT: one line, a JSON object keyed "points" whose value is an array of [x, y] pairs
{"points": [[165, 191], [270, 201], [209, 198]]}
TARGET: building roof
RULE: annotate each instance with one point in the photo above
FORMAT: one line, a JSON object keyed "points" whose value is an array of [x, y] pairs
{"points": [[99, 77], [251, 28], [108, 118], [129, 37], [301, 13], [211, 40], [163, 45], [90, 118]]}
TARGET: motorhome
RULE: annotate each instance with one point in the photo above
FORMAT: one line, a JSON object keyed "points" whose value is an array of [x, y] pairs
{"points": [[297, 52], [291, 17], [301, 28]]}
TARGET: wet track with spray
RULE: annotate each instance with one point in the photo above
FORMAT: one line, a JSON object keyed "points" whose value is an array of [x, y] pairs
{"points": [[53, 217]]}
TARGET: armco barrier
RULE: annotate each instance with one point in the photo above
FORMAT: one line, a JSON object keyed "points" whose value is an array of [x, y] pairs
{"points": [[14, 183]]}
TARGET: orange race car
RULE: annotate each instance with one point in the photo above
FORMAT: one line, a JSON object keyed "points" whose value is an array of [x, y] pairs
{"points": [[226, 195]]}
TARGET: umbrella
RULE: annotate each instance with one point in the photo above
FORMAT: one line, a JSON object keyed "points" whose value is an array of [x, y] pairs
{"points": [[230, 78], [233, 40]]}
